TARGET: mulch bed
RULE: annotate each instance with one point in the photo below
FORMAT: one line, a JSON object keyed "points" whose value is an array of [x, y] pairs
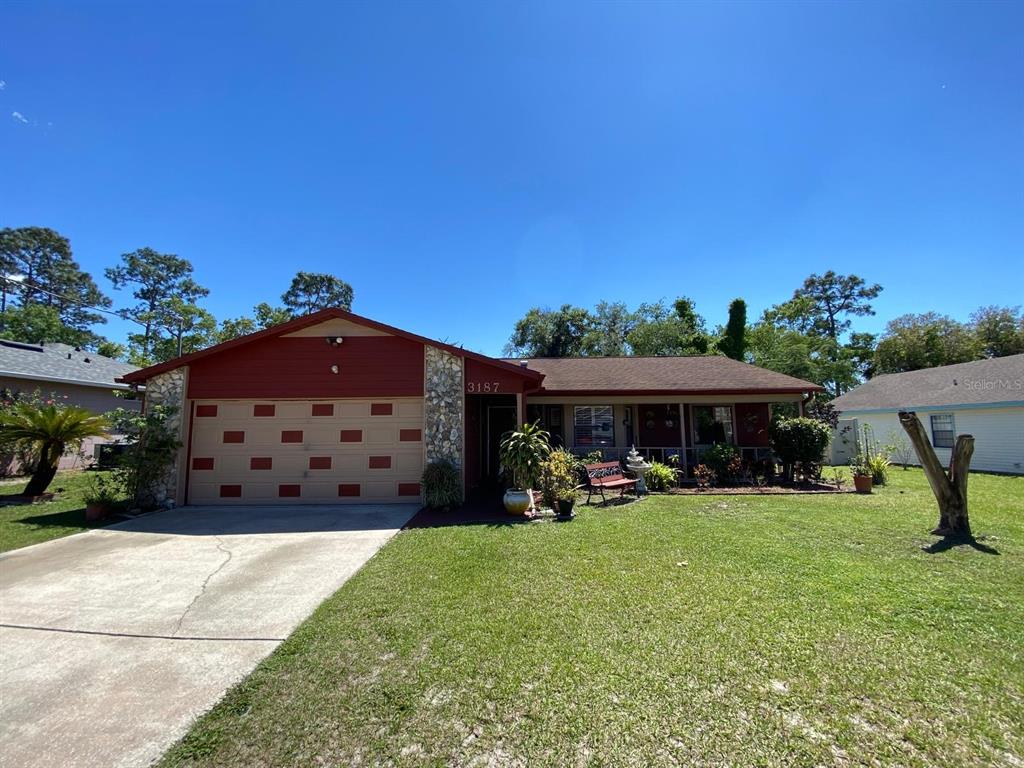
{"points": [[768, 490]]}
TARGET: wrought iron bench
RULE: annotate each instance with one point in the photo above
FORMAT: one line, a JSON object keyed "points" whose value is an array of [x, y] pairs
{"points": [[606, 475]]}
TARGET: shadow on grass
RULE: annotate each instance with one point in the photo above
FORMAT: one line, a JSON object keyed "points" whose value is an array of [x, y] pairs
{"points": [[947, 543]]}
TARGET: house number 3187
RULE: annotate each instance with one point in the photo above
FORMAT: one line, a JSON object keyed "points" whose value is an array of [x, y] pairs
{"points": [[478, 387]]}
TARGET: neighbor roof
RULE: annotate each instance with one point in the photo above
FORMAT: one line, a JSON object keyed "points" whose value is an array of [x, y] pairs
{"points": [[999, 381], [60, 363], [661, 375]]}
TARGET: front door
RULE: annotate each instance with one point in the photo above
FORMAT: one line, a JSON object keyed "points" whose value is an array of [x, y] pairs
{"points": [[500, 419]]}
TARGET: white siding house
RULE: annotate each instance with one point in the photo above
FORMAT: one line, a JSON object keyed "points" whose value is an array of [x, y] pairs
{"points": [[983, 398]]}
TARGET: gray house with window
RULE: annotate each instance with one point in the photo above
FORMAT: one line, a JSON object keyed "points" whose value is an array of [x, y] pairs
{"points": [[984, 398]]}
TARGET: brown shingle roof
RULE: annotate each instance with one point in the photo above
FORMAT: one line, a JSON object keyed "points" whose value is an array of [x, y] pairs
{"points": [[999, 380], [662, 375]]}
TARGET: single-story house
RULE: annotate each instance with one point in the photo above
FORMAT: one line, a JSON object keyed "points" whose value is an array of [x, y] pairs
{"points": [[984, 398], [333, 407], [74, 376]]}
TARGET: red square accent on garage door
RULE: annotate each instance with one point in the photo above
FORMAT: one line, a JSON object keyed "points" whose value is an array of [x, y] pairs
{"points": [[323, 409], [351, 435], [263, 410], [408, 489], [291, 436], [380, 462], [289, 491], [206, 410], [348, 489], [319, 462], [204, 463], [261, 462], [409, 435], [231, 491], [234, 436], [381, 409]]}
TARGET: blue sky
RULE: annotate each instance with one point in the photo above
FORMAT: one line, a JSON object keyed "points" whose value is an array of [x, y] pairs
{"points": [[461, 162]]}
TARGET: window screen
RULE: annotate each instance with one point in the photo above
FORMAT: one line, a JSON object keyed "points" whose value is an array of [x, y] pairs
{"points": [[943, 432], [594, 426]]}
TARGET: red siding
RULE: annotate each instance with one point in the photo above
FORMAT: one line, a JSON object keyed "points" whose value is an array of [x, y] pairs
{"points": [[482, 379], [752, 424], [369, 366]]}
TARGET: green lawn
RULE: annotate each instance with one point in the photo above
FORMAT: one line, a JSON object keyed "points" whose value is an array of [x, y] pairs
{"points": [[24, 524], [767, 631]]}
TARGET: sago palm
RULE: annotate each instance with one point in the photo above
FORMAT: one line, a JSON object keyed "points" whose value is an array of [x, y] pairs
{"points": [[51, 430]]}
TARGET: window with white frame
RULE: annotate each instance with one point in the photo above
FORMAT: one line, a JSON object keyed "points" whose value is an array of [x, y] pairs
{"points": [[943, 431], [594, 425], [713, 424]]}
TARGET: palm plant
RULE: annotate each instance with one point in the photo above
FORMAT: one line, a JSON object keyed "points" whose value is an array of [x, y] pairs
{"points": [[50, 430]]}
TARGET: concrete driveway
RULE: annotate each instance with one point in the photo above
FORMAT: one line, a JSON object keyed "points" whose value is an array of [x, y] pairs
{"points": [[113, 641]]}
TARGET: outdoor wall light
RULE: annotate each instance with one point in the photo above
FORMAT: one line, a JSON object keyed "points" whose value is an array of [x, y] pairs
{"points": [[334, 368], [334, 341]]}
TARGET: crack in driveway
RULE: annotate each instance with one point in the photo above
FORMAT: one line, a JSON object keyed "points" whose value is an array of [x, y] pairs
{"points": [[206, 582]]}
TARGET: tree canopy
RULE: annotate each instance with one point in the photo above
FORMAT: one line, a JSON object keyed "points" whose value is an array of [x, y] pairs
{"points": [[312, 291]]}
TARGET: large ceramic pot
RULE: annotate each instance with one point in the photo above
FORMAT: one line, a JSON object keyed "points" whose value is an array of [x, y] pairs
{"points": [[863, 483], [517, 501], [96, 511]]}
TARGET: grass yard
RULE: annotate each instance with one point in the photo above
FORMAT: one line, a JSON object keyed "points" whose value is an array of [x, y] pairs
{"points": [[24, 524], [772, 631]]}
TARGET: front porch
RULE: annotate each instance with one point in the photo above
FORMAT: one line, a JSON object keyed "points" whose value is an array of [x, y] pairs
{"points": [[667, 432]]}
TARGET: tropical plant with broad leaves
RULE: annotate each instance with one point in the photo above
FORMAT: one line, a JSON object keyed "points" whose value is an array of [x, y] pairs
{"points": [[523, 453], [51, 430]]}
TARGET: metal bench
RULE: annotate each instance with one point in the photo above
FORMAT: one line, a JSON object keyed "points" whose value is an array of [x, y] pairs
{"points": [[606, 475]]}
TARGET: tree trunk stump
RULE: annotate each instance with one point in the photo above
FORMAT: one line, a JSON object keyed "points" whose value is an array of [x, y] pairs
{"points": [[950, 488]]}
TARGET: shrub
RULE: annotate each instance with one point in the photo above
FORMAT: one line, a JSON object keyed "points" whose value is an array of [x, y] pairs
{"points": [[705, 475], [559, 477], [724, 460], [442, 485], [798, 442], [594, 457], [660, 477], [152, 449]]}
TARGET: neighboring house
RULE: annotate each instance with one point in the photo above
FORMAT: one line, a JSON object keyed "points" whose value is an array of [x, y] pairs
{"points": [[984, 398], [333, 407], [75, 377]]}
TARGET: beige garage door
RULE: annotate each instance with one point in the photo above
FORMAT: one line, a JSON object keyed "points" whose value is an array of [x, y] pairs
{"points": [[316, 452]]}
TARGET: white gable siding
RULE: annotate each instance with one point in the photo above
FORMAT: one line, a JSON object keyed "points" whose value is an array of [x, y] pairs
{"points": [[998, 434]]}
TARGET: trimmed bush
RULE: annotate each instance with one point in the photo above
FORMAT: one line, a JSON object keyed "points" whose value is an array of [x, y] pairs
{"points": [[559, 477], [798, 442], [442, 485], [660, 477]]}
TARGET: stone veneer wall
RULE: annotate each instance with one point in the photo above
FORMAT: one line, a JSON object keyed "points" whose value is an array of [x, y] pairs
{"points": [[444, 406], [169, 389]]}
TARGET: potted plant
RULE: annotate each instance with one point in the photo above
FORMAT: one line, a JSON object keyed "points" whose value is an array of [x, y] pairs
{"points": [[100, 498], [523, 453], [559, 480], [862, 475]]}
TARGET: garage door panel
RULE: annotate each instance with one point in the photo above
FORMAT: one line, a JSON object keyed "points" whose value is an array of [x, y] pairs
{"points": [[361, 449]]}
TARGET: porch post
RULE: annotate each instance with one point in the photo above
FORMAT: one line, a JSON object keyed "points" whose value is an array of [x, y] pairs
{"points": [[520, 409], [684, 463]]}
